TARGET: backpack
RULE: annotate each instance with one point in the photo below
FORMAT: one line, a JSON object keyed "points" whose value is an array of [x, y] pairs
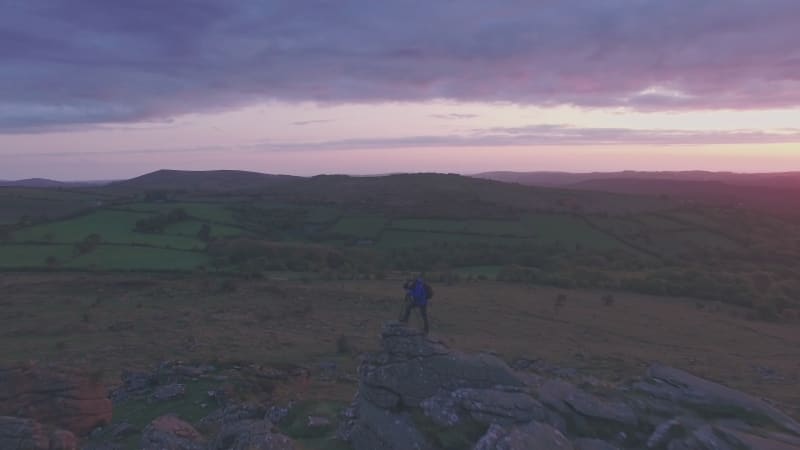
{"points": [[428, 291]]}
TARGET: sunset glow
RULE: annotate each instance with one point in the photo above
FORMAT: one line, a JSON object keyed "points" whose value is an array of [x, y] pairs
{"points": [[91, 90]]}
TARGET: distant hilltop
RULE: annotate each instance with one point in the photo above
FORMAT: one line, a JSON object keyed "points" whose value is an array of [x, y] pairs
{"points": [[210, 180], [47, 183], [614, 181], [591, 180]]}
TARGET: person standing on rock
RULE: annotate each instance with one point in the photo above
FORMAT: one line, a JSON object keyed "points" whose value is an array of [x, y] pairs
{"points": [[420, 292]]}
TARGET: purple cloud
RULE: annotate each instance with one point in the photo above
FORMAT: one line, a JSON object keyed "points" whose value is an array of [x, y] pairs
{"points": [[454, 116], [311, 122], [73, 62], [532, 136], [553, 134]]}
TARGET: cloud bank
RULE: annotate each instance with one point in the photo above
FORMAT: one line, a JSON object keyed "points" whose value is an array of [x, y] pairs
{"points": [[74, 62], [532, 136]]}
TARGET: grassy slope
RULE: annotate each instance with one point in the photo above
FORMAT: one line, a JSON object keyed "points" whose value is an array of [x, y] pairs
{"points": [[118, 322]]}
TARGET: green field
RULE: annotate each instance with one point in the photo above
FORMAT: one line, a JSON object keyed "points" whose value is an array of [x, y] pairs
{"points": [[322, 214], [213, 212], [362, 227], [569, 230], [15, 209], [190, 228], [111, 225], [32, 256], [130, 257], [401, 239], [348, 228], [440, 225], [104, 257]]}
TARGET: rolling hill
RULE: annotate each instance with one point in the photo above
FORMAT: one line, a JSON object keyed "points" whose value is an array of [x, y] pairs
{"points": [[207, 180], [788, 180], [47, 183], [774, 192]]}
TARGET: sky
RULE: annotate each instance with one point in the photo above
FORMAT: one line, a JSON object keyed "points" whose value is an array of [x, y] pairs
{"points": [[108, 89]]}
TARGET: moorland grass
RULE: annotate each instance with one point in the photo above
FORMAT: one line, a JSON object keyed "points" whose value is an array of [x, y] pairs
{"points": [[131, 257], [115, 322]]}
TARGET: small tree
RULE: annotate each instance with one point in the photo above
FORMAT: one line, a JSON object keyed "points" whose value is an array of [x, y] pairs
{"points": [[205, 233], [343, 345], [88, 244], [559, 302]]}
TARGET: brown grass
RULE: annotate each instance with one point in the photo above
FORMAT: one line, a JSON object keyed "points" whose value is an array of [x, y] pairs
{"points": [[137, 320]]}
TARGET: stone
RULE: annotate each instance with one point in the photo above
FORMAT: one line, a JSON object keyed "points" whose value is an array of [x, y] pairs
{"points": [[134, 383], [250, 435], [377, 428], [347, 421], [442, 409], [664, 433], [587, 412], [709, 438], [328, 368], [276, 414], [194, 371], [231, 414], [500, 406], [402, 342], [765, 440], [593, 444], [120, 431], [534, 435], [415, 367], [416, 375], [169, 392], [171, 433], [103, 446], [28, 434], [64, 398], [490, 438], [524, 363], [380, 396], [711, 398], [318, 422]]}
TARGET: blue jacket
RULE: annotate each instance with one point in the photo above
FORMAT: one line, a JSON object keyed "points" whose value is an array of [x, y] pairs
{"points": [[417, 291]]}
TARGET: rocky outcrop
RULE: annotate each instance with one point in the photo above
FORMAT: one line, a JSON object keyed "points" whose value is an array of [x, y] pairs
{"points": [[63, 398], [531, 436], [171, 433], [231, 414], [28, 434], [413, 368], [685, 389], [250, 435], [417, 392]]}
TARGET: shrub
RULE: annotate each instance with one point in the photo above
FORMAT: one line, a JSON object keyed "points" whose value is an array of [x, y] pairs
{"points": [[228, 286], [343, 345], [559, 302], [88, 244], [204, 234], [608, 300]]}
